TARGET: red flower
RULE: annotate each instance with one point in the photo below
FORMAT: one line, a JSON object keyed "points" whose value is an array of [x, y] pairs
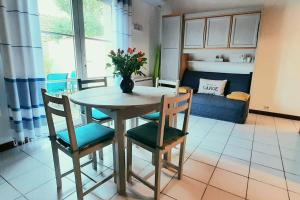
{"points": [[140, 52], [140, 59], [130, 50]]}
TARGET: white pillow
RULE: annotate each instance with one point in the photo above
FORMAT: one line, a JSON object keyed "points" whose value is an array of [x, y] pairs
{"points": [[215, 87]]}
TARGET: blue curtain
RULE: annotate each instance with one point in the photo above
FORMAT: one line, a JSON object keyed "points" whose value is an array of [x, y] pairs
{"points": [[21, 52]]}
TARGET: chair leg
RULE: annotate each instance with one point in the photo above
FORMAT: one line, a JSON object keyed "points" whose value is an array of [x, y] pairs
{"points": [[129, 160], [77, 172], [181, 158], [114, 162], [168, 156], [158, 166], [56, 165], [101, 156], [94, 158], [136, 121]]}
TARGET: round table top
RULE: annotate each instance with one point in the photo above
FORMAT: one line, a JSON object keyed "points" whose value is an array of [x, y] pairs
{"points": [[113, 98]]}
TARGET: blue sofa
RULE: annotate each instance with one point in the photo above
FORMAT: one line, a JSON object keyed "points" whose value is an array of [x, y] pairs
{"points": [[219, 107]]}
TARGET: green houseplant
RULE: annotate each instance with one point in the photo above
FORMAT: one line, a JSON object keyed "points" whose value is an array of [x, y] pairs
{"points": [[125, 64]]}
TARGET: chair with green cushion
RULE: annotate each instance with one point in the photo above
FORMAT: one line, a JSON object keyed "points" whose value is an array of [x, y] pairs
{"points": [[159, 138], [75, 142], [160, 83], [97, 115]]}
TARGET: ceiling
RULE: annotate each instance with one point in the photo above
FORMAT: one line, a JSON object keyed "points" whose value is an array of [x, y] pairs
{"points": [[208, 5]]}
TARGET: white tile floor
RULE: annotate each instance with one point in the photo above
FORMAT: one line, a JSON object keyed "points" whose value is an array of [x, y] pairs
{"points": [[259, 160]]}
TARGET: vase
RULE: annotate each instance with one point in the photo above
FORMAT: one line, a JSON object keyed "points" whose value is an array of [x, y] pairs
{"points": [[127, 84]]}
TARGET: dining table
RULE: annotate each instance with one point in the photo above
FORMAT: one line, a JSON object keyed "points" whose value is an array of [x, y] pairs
{"points": [[121, 107]]}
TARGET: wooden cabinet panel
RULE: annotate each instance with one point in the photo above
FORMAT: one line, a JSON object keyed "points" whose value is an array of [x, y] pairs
{"points": [[245, 30], [194, 33], [217, 34]]}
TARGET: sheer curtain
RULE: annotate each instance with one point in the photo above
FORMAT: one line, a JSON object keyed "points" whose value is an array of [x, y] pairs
{"points": [[21, 52], [122, 20]]}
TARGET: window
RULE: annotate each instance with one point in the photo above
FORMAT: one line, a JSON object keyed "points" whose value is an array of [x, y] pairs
{"points": [[98, 32], [76, 40], [57, 36]]}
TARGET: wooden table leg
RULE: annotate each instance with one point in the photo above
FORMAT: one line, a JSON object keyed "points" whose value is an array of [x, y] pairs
{"points": [[120, 154]]}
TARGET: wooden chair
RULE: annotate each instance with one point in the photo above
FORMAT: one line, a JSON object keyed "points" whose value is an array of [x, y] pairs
{"points": [[160, 138], [97, 115], [75, 142], [161, 83]]}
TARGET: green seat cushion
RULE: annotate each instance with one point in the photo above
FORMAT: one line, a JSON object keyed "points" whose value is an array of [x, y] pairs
{"points": [[86, 135], [98, 115], [147, 134], [152, 116]]}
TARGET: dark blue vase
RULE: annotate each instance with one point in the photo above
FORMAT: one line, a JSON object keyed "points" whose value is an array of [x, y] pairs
{"points": [[127, 84]]}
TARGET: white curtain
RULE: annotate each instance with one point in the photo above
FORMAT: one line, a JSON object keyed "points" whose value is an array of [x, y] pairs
{"points": [[21, 52], [122, 19]]}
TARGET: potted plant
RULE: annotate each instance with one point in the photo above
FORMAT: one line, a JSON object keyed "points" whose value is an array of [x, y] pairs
{"points": [[125, 64]]}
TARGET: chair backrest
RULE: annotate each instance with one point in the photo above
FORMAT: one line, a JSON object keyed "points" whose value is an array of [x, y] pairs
{"points": [[167, 83], [95, 82], [51, 108], [170, 106], [57, 82]]}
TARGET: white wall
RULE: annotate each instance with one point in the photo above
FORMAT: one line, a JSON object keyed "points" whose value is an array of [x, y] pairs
{"points": [[276, 81], [4, 124], [148, 39]]}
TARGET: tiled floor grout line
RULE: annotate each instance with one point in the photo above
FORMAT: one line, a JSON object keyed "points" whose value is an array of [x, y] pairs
{"points": [[21, 194], [250, 163], [218, 162], [55, 177], [6, 181], [276, 130], [277, 124], [215, 122]]}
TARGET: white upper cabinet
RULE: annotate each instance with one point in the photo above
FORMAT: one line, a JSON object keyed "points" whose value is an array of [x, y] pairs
{"points": [[245, 30], [194, 33], [217, 34]]}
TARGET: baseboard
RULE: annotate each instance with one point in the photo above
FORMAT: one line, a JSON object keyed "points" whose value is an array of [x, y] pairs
{"points": [[7, 146], [260, 112], [13, 144]]}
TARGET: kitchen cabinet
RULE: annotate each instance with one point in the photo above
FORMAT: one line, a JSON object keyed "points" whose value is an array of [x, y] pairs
{"points": [[194, 33], [217, 33], [171, 47], [245, 30]]}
